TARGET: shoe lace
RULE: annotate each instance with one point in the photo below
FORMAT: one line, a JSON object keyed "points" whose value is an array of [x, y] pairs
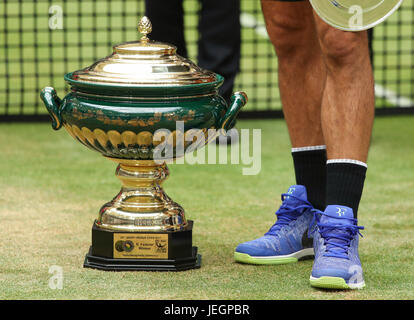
{"points": [[287, 213], [337, 237]]}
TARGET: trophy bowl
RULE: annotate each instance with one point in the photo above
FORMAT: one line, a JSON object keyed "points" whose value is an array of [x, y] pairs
{"points": [[127, 107]]}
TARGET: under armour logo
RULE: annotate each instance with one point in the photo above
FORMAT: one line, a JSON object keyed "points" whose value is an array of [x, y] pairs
{"points": [[341, 211]]}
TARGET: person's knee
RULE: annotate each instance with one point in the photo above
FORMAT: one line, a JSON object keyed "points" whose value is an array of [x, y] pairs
{"points": [[288, 37], [290, 26], [343, 48]]}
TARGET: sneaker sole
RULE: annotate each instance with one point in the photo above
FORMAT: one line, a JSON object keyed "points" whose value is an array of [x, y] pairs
{"points": [[334, 283], [285, 259]]}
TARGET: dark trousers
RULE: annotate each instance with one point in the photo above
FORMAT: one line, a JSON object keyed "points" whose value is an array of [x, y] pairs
{"points": [[219, 29]]}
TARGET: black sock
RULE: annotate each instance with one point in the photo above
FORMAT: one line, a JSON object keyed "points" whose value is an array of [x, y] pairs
{"points": [[310, 171], [344, 183]]}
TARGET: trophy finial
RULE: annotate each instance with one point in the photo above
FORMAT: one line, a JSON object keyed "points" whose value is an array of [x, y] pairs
{"points": [[145, 27]]}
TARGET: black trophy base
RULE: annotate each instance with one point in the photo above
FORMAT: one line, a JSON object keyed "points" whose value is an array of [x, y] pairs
{"points": [[106, 254], [109, 264]]}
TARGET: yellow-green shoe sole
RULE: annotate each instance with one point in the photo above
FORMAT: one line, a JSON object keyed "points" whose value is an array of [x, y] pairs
{"points": [[334, 283], [245, 258]]}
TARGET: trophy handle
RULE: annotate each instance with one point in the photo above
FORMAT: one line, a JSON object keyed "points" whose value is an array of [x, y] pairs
{"points": [[238, 100], [52, 103]]}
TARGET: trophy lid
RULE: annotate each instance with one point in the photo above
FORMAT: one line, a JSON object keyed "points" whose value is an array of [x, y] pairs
{"points": [[144, 63]]}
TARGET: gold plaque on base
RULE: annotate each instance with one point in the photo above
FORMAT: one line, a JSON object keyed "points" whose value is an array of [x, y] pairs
{"points": [[140, 246]]}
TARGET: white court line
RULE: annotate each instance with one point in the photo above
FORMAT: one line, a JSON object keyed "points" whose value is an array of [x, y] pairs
{"points": [[247, 20]]}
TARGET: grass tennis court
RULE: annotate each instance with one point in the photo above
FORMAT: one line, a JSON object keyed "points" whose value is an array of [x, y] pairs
{"points": [[52, 188]]}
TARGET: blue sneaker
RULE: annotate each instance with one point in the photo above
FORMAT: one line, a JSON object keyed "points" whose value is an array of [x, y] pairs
{"points": [[337, 264], [287, 240]]}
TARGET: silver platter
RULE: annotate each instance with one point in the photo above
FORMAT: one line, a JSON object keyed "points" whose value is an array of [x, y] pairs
{"points": [[355, 15]]}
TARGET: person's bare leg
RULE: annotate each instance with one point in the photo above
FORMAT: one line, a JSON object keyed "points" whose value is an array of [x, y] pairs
{"points": [[347, 112], [302, 72], [348, 99]]}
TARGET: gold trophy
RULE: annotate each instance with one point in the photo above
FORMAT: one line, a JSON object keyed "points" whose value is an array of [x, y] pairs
{"points": [[126, 107]]}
